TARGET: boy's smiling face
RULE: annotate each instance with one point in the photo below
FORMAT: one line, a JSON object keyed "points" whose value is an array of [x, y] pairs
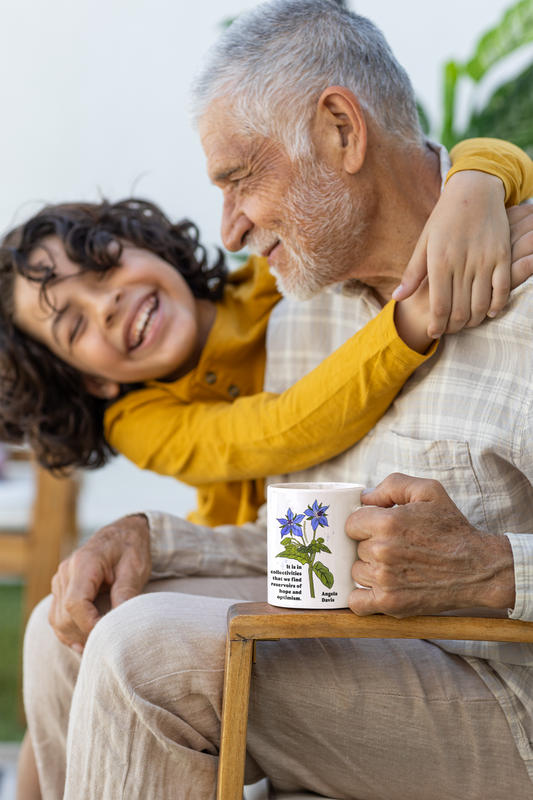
{"points": [[134, 322]]}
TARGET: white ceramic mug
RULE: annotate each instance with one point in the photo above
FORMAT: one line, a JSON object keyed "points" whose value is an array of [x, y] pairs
{"points": [[310, 555]]}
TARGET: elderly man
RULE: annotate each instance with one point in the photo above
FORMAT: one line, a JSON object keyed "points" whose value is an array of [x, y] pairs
{"points": [[310, 129]]}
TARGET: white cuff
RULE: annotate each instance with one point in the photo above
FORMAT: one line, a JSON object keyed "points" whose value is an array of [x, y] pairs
{"points": [[522, 547]]}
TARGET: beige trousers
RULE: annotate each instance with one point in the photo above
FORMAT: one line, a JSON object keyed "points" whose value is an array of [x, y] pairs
{"points": [[350, 719]]}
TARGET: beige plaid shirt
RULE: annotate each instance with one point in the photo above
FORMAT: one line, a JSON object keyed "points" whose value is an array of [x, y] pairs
{"points": [[464, 418]]}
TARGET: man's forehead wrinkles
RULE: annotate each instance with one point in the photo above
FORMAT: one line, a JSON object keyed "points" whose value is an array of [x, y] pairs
{"points": [[254, 157]]}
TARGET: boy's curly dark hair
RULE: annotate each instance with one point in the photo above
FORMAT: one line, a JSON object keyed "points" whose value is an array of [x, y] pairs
{"points": [[43, 400]]}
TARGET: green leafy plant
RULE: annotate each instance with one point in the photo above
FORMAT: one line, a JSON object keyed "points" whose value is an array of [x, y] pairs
{"points": [[508, 113], [298, 548]]}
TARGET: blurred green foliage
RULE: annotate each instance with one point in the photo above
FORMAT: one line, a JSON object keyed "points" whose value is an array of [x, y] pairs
{"points": [[508, 113], [10, 626]]}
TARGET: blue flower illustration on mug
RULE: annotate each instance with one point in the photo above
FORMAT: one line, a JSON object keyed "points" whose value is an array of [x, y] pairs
{"points": [[291, 524], [303, 550], [317, 514]]}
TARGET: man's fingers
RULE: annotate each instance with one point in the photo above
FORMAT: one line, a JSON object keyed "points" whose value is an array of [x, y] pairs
{"points": [[521, 221], [523, 246], [362, 602], [83, 613], [85, 581], [120, 592], [522, 251], [521, 270], [129, 579], [399, 489], [359, 525], [65, 629]]}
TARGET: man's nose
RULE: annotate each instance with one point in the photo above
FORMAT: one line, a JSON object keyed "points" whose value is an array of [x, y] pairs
{"points": [[235, 226]]}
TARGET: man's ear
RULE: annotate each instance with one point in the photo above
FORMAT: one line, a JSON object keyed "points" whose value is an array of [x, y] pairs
{"points": [[101, 387], [339, 128]]}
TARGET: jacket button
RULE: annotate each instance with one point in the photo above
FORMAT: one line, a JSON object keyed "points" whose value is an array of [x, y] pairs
{"points": [[234, 391], [210, 377]]}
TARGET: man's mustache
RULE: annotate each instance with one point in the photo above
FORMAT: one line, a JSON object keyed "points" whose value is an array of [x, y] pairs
{"points": [[261, 241]]}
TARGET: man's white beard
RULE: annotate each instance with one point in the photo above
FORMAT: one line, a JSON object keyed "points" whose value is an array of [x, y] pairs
{"points": [[322, 228]]}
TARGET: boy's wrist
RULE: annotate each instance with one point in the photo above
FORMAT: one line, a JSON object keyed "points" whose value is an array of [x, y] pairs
{"points": [[478, 178], [411, 318]]}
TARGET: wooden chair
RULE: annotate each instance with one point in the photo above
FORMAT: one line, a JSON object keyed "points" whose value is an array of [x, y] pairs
{"points": [[34, 554], [252, 622]]}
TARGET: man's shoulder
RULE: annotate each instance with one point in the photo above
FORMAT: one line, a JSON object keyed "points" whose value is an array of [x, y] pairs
{"points": [[499, 349]]}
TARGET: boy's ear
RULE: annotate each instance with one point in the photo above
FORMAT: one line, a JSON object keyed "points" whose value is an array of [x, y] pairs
{"points": [[101, 387]]}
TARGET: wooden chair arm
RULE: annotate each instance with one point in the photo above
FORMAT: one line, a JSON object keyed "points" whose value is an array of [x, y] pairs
{"points": [[262, 621]]}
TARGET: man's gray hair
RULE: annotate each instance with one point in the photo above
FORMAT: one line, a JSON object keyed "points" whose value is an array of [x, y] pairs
{"points": [[273, 63]]}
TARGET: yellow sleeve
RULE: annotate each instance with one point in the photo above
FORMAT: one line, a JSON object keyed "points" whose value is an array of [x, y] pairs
{"points": [[503, 159], [266, 433]]}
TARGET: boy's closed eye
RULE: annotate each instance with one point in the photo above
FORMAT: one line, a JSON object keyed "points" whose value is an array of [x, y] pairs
{"points": [[76, 329]]}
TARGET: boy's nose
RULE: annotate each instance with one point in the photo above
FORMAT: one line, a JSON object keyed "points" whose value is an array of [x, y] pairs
{"points": [[107, 306]]}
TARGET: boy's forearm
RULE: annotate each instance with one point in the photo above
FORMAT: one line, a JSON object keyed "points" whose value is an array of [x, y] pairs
{"points": [[411, 317]]}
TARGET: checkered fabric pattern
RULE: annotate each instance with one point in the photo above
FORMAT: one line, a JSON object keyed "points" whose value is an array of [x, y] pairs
{"points": [[465, 418]]}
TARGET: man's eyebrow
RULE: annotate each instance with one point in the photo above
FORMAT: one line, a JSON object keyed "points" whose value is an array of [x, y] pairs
{"points": [[226, 173]]}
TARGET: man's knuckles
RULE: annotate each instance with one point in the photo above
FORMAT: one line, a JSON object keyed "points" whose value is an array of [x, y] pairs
{"points": [[418, 488], [378, 601], [71, 605], [377, 551], [56, 584]]}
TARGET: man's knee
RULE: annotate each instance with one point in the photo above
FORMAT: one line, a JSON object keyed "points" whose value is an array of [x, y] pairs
{"points": [[50, 674], [42, 648], [38, 627], [157, 631]]}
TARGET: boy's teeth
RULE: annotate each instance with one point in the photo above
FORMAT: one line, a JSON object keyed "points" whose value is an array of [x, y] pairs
{"points": [[142, 322]]}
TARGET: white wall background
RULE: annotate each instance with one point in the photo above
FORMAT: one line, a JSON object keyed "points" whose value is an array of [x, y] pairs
{"points": [[93, 97]]}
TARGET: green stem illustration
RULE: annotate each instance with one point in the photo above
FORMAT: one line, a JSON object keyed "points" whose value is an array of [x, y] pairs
{"points": [[311, 561], [311, 585]]}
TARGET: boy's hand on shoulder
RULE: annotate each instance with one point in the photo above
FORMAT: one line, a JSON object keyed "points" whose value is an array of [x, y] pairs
{"points": [[117, 559], [465, 251]]}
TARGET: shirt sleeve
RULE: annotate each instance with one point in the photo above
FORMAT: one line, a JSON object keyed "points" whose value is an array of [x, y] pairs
{"points": [[267, 433], [181, 549], [522, 543], [499, 158]]}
